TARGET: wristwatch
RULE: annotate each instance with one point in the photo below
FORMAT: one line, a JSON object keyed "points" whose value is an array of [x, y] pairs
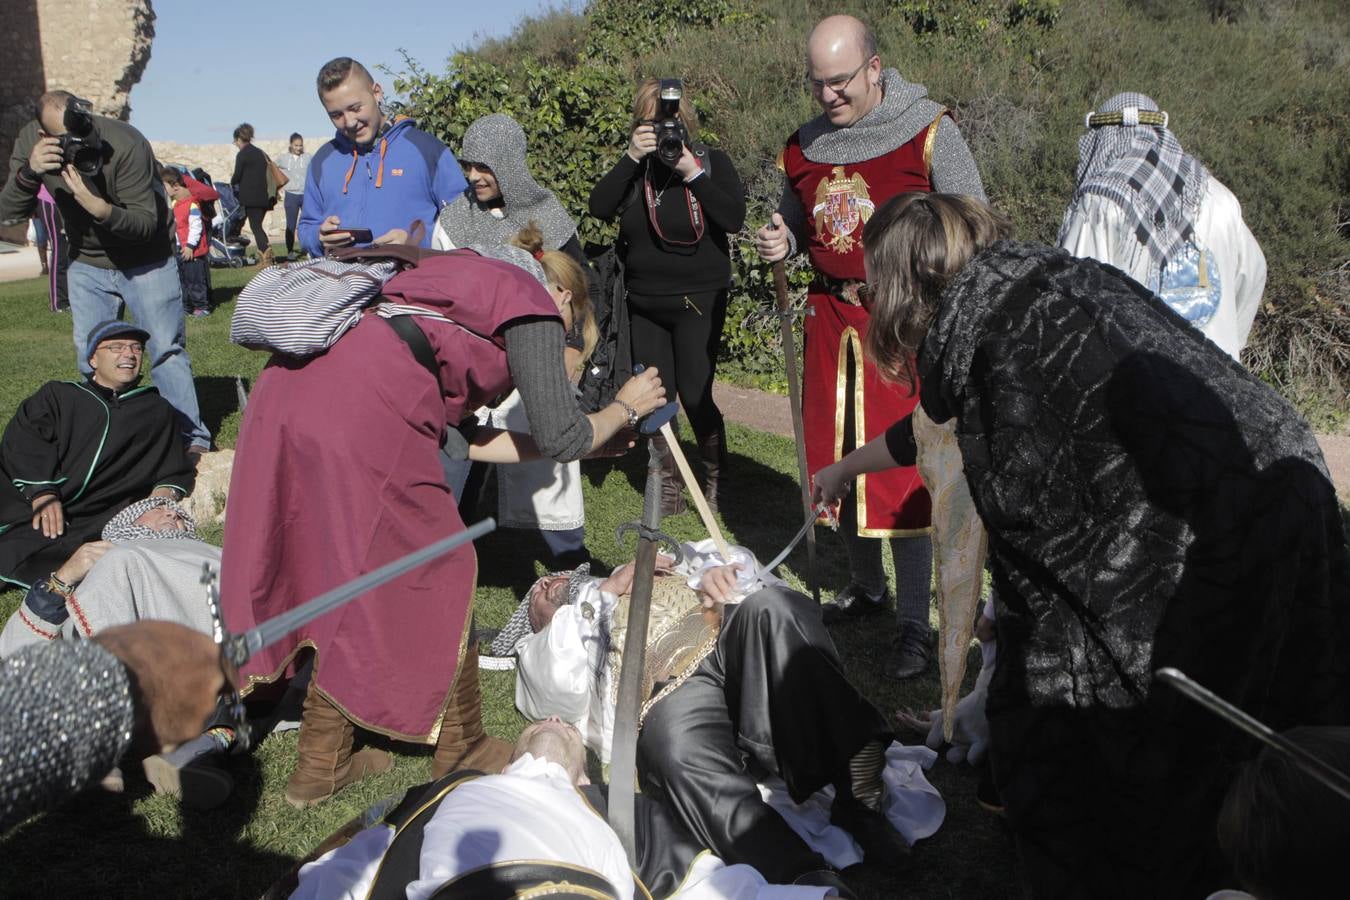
{"points": [[632, 413]]}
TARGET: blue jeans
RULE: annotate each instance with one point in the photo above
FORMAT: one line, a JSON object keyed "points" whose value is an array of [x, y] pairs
{"points": [[155, 297]]}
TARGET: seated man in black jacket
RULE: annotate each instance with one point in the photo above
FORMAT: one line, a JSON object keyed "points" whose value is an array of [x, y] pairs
{"points": [[77, 452]]}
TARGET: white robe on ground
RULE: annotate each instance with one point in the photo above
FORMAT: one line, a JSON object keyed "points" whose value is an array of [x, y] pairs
{"points": [[530, 812]]}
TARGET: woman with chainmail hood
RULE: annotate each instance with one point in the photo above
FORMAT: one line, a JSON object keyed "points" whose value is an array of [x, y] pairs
{"points": [[502, 196]]}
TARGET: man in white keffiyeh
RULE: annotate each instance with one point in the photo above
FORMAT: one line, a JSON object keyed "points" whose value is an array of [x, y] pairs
{"points": [[1145, 206]]}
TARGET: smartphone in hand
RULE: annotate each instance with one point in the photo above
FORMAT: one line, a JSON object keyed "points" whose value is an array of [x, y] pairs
{"points": [[359, 235]]}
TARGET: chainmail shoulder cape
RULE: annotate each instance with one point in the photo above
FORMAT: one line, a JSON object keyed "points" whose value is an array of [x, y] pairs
{"points": [[903, 112], [1149, 502], [1144, 171], [512, 254], [122, 527], [498, 142]]}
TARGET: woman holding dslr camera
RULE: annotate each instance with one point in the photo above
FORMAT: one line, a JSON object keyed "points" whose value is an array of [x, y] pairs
{"points": [[677, 201]]}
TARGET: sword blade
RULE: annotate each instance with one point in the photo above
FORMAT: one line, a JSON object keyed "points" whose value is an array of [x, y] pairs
{"points": [[798, 428], [797, 539], [1329, 776], [628, 703], [274, 629]]}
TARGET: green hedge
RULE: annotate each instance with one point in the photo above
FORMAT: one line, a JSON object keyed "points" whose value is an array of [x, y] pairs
{"points": [[1256, 89]]}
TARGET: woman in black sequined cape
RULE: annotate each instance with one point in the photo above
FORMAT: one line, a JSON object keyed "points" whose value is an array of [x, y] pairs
{"points": [[1149, 503]]}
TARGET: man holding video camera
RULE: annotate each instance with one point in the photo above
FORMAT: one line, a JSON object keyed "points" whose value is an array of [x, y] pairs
{"points": [[101, 173]]}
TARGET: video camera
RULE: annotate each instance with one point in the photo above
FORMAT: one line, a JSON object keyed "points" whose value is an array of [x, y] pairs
{"points": [[671, 135], [81, 146]]}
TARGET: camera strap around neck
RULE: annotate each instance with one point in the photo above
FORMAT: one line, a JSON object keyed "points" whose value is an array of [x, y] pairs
{"points": [[695, 211]]}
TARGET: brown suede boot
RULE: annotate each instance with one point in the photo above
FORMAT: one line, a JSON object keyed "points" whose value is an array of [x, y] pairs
{"points": [[462, 743], [672, 485], [326, 763], [268, 258], [712, 449]]}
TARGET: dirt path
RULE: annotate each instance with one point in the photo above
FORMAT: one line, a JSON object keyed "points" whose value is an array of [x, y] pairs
{"points": [[770, 412]]}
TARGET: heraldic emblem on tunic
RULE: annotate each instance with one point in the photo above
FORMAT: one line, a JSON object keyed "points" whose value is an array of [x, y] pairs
{"points": [[843, 204]]}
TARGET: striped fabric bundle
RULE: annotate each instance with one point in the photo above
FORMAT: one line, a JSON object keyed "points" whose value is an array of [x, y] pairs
{"points": [[302, 309]]}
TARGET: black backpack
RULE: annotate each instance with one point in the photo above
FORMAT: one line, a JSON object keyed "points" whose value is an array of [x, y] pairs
{"points": [[611, 365]]}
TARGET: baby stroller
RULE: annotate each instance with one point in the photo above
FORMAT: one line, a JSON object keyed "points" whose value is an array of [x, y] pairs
{"points": [[227, 244]]}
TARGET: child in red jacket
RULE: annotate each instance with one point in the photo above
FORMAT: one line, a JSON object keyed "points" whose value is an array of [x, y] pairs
{"points": [[193, 244]]}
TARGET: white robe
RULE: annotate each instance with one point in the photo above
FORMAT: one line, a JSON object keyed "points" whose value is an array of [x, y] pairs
{"points": [[1100, 231], [532, 812]]}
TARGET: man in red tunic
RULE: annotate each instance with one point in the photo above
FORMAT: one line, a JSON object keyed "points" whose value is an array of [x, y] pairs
{"points": [[878, 136]]}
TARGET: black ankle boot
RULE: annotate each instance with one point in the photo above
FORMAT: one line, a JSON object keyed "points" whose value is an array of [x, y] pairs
{"points": [[712, 449]]}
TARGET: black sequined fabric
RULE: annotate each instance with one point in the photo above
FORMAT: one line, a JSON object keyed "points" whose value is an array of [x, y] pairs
{"points": [[1149, 503]]}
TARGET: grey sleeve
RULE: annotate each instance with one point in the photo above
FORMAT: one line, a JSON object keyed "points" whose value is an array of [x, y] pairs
{"points": [[794, 217], [954, 170], [18, 199], [65, 720], [534, 351]]}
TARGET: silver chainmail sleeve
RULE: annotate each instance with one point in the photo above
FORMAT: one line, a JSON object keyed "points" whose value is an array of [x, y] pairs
{"points": [[954, 170], [65, 720]]}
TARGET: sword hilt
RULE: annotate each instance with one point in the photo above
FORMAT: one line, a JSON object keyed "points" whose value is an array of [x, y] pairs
{"points": [[650, 534], [790, 313], [233, 649]]}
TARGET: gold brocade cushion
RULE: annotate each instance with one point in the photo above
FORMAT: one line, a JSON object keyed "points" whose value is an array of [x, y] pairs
{"points": [[679, 636]]}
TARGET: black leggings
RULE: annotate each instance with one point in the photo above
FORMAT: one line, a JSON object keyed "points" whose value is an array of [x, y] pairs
{"points": [[680, 334], [255, 216]]}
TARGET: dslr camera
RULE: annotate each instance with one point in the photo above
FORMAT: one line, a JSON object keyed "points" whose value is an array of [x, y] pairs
{"points": [[671, 135], [80, 145]]}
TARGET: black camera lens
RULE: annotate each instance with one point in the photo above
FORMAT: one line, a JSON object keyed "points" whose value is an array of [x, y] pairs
{"points": [[86, 159]]}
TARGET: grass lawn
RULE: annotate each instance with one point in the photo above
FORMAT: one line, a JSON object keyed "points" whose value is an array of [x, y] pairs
{"points": [[141, 845]]}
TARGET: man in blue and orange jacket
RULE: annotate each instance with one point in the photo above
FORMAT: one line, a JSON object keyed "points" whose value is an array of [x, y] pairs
{"points": [[378, 173]]}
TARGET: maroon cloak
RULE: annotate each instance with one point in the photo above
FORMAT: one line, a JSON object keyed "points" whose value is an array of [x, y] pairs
{"points": [[338, 471]]}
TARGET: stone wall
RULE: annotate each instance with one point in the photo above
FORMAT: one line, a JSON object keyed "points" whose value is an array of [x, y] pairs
{"points": [[96, 49]]}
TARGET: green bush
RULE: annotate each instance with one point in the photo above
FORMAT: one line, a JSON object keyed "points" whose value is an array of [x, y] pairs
{"points": [[1256, 89]]}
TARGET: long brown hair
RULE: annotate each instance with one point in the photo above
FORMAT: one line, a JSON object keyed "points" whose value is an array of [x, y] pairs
{"points": [[563, 272], [913, 246]]}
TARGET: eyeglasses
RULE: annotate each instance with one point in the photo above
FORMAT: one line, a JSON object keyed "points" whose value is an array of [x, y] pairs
{"points": [[836, 85], [122, 347]]}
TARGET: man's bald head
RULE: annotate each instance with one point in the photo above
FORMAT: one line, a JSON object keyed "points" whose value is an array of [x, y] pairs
{"points": [[556, 741], [50, 110], [838, 32], [844, 69]]}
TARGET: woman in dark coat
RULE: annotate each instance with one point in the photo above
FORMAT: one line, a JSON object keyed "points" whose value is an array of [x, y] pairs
{"points": [[250, 186], [1148, 503]]}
